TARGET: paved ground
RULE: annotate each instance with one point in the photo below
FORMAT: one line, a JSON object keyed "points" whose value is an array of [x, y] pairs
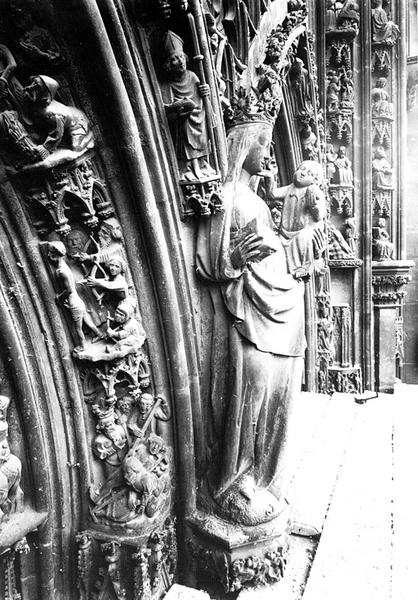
{"points": [[355, 478]]}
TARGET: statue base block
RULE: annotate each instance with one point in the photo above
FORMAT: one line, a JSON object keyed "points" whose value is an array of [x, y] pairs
{"points": [[228, 556]]}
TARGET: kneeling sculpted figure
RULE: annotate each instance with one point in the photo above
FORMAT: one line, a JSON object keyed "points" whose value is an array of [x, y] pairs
{"points": [[258, 341]]}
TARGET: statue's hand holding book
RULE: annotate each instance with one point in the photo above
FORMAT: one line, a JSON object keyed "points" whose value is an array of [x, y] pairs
{"points": [[253, 243]]}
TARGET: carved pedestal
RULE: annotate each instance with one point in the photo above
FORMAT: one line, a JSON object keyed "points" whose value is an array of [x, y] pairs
{"points": [[389, 281], [227, 557], [123, 567]]}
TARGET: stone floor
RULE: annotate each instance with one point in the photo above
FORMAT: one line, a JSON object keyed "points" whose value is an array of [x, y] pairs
{"points": [[355, 471], [355, 479]]}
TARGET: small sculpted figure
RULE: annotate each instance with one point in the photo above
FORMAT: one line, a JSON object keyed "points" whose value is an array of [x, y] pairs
{"points": [[350, 233], [381, 170], [110, 427], [128, 336], [343, 172], [11, 494], [259, 328], [299, 77], [338, 247], [43, 131], [333, 93], [36, 44], [303, 213], [110, 243], [69, 297], [138, 487], [149, 408], [383, 248], [384, 30], [331, 16], [116, 283], [349, 14], [331, 156], [182, 95], [308, 142], [381, 107], [347, 88]]}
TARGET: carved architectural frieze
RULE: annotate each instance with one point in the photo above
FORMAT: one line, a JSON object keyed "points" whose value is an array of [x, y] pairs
{"points": [[103, 564], [345, 380], [389, 287]]}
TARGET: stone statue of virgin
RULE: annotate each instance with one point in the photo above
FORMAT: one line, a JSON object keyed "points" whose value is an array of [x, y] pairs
{"points": [[258, 341]]}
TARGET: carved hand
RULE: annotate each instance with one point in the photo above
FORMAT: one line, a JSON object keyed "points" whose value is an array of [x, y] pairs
{"points": [[203, 90], [91, 281], [42, 152], [246, 250]]}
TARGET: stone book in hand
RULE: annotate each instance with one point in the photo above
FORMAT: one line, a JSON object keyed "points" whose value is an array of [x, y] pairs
{"points": [[269, 242]]}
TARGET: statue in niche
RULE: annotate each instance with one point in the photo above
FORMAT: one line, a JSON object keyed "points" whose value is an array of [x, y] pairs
{"points": [[41, 131], [350, 233], [11, 494], [257, 356], [381, 107], [69, 297], [343, 171], [381, 170], [326, 344], [330, 156], [299, 78], [383, 248], [383, 29], [182, 95], [346, 88], [333, 92]]}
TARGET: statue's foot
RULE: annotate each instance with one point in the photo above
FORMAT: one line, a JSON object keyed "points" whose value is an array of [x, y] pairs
{"points": [[246, 503]]}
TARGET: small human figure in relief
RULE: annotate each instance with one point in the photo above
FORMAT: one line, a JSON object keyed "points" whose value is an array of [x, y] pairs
{"points": [[128, 335], [381, 107], [343, 172], [69, 297], [381, 170], [333, 92], [40, 130], [383, 29], [330, 156], [383, 248], [302, 222], [116, 283], [347, 88], [299, 77], [60, 125], [182, 95], [350, 233], [11, 494]]}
